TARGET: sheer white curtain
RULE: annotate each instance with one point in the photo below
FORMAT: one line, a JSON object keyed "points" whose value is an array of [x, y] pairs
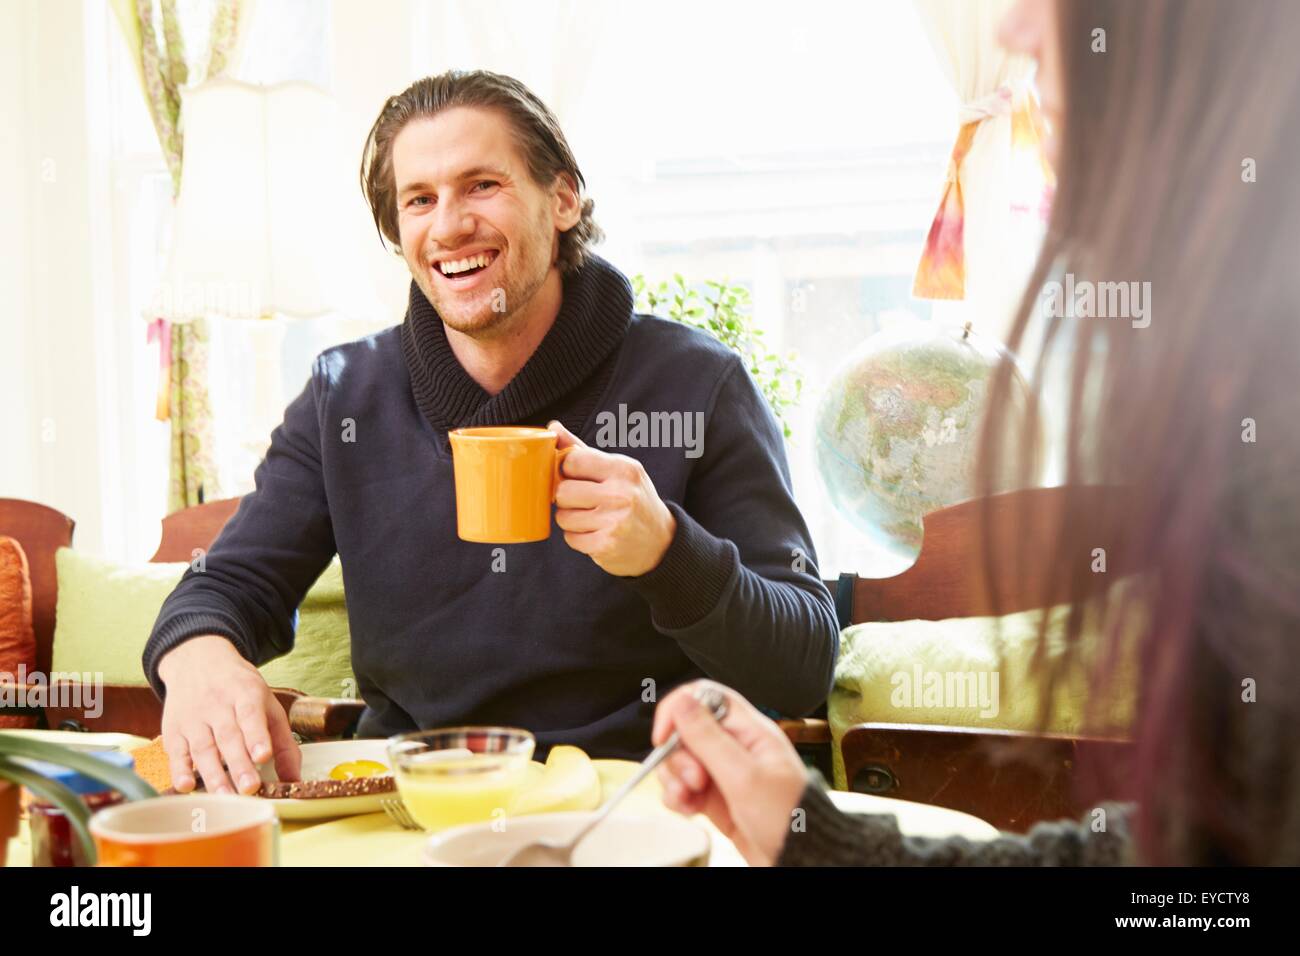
{"points": [[548, 44], [257, 367], [988, 81], [555, 47]]}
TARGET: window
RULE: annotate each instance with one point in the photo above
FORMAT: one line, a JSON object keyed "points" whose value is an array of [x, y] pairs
{"points": [[796, 151], [286, 41]]}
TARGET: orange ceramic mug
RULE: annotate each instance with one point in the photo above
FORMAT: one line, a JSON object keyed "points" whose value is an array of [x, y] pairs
{"points": [[204, 829], [506, 479]]}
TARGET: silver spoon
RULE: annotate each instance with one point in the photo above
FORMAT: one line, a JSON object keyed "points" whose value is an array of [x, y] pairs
{"points": [[556, 853]]}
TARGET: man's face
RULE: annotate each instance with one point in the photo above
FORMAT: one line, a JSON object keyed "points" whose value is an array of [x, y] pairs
{"points": [[478, 234]]}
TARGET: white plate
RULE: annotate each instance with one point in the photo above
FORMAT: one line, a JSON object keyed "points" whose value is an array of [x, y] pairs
{"points": [[620, 840], [917, 819], [317, 762]]}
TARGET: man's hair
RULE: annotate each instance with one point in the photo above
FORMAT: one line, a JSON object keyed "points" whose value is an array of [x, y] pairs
{"points": [[535, 128]]}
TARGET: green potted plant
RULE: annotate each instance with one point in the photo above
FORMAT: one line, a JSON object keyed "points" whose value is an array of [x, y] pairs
{"points": [[14, 774], [722, 311]]}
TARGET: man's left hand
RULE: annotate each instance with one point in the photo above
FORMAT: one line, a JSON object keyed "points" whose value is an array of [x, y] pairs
{"points": [[609, 509]]}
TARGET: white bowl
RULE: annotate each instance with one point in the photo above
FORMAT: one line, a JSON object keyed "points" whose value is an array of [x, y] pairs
{"points": [[657, 840]]}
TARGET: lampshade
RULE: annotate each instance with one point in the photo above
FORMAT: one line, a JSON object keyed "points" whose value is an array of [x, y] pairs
{"points": [[255, 227]]}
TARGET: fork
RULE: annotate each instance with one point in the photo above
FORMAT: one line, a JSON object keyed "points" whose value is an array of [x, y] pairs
{"points": [[553, 853], [397, 812]]}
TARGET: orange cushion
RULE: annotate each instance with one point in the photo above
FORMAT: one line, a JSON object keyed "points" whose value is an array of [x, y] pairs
{"points": [[17, 638]]}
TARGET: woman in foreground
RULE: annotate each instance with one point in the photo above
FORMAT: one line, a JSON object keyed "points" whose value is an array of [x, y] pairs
{"points": [[1175, 151]]}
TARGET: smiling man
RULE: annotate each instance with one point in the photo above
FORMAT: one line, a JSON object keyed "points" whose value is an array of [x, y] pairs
{"points": [[667, 563]]}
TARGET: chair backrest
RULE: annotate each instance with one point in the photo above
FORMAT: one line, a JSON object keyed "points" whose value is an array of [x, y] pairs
{"points": [[130, 708], [946, 581], [1017, 532], [193, 528], [981, 771], [41, 531]]}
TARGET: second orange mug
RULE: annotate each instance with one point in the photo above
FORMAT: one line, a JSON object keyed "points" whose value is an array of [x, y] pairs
{"points": [[506, 478], [204, 829]]}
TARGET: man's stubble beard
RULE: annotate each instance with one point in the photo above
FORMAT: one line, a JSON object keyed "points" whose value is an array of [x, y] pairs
{"points": [[516, 293]]}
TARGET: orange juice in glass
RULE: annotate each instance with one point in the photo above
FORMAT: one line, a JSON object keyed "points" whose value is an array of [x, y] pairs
{"points": [[460, 774]]}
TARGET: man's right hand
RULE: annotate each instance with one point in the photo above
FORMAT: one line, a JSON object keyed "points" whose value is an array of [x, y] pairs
{"points": [[219, 708]]}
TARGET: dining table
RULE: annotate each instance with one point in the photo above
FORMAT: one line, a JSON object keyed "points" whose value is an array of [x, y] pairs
{"points": [[373, 839]]}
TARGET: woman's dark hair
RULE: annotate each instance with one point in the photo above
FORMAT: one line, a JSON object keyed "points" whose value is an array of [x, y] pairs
{"points": [[535, 128], [1177, 167]]}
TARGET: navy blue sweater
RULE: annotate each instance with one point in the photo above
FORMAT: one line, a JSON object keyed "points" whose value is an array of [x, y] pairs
{"points": [[553, 643]]}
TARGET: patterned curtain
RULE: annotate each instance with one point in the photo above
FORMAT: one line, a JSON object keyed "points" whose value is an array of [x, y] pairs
{"points": [[183, 349]]}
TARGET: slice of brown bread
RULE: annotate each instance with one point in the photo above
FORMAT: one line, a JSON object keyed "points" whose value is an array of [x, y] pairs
{"points": [[320, 789], [293, 790]]}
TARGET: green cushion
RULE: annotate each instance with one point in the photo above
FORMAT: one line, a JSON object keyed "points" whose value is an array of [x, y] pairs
{"points": [[107, 610], [965, 672]]}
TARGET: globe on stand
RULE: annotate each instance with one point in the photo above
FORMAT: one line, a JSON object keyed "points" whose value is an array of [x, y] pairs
{"points": [[898, 429]]}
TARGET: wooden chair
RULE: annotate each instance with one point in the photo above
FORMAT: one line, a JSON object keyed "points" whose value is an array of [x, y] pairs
{"points": [[991, 774], [962, 768], [135, 709], [41, 531]]}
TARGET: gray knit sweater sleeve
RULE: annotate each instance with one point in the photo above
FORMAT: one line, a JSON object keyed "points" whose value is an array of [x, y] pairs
{"points": [[831, 837]]}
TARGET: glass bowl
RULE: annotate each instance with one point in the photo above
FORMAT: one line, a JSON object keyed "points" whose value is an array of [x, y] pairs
{"points": [[458, 775]]}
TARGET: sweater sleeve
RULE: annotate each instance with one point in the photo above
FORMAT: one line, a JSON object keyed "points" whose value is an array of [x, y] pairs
{"points": [[738, 587], [266, 558], [830, 837]]}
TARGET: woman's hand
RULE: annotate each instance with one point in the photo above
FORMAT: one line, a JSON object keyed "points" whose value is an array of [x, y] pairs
{"points": [[743, 774]]}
